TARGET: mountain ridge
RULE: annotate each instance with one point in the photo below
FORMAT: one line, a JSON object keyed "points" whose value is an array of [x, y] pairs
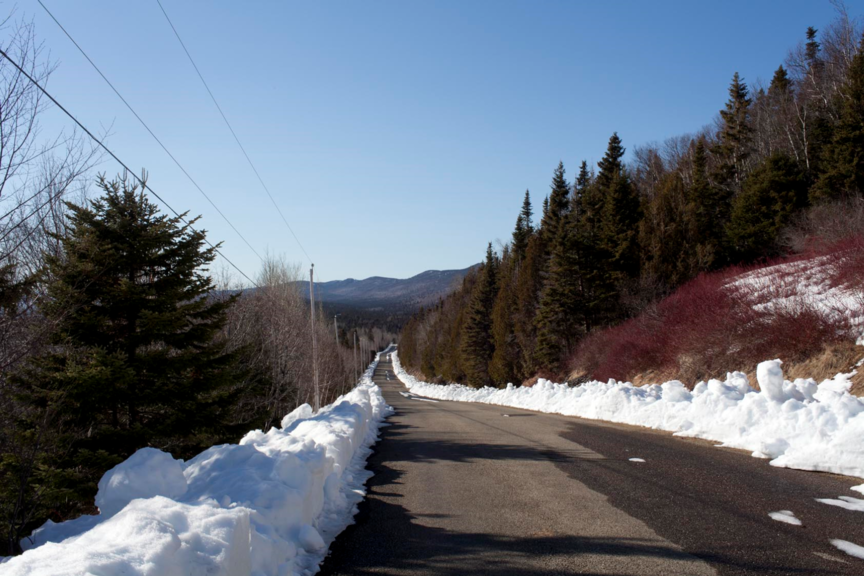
{"points": [[419, 290]]}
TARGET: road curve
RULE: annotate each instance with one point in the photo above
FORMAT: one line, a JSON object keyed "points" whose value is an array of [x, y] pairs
{"points": [[462, 488]]}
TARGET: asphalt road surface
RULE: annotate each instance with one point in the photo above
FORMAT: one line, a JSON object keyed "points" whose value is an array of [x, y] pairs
{"points": [[464, 488]]}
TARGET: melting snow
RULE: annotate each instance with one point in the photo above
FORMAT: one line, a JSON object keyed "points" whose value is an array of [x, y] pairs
{"points": [[849, 548], [786, 516]]}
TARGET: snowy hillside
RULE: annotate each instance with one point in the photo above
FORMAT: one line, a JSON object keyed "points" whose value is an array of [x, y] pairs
{"points": [[270, 505]]}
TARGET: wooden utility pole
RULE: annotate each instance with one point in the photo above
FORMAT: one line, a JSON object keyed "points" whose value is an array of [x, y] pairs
{"points": [[356, 376], [314, 343]]}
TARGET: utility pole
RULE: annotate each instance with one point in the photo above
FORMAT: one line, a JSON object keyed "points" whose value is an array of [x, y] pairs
{"points": [[314, 344], [356, 377], [336, 329]]}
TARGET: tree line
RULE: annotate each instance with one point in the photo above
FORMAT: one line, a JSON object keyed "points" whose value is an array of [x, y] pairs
{"points": [[116, 330], [624, 234]]}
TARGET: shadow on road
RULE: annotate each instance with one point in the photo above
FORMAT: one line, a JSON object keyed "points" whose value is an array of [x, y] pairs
{"points": [[387, 539]]}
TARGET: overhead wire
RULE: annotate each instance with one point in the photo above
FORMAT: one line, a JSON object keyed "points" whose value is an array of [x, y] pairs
{"points": [[146, 127], [233, 133], [102, 145]]}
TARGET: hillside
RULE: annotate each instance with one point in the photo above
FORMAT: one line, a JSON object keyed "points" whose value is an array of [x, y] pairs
{"points": [[379, 292]]}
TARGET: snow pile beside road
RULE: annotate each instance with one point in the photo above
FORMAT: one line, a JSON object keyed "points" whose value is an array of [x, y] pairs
{"points": [[270, 505], [798, 424]]}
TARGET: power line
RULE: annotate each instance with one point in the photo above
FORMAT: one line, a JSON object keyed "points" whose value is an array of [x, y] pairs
{"points": [[123, 164], [227, 123], [146, 127]]}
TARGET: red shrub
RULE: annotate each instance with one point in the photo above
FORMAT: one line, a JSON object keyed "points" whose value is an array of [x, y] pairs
{"points": [[732, 319]]}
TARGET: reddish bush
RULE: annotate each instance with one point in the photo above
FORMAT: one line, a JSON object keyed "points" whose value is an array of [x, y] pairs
{"points": [[733, 319]]}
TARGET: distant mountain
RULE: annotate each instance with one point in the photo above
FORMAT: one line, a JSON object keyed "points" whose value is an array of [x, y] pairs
{"points": [[379, 292]]}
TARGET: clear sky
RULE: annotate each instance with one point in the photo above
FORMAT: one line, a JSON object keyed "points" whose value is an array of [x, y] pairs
{"points": [[398, 136]]}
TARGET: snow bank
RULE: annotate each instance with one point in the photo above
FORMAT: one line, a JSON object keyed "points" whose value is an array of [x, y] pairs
{"points": [[797, 424], [270, 505]]}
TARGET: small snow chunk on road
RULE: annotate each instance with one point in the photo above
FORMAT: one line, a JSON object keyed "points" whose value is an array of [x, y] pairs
{"points": [[847, 502], [849, 548], [636, 460], [786, 516], [858, 488]]}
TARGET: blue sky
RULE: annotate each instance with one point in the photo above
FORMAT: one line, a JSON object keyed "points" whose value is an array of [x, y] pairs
{"points": [[398, 136]]}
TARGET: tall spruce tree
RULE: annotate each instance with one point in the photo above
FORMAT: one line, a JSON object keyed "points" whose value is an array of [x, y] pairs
{"points": [[735, 136], [503, 366], [710, 207], [558, 206], [780, 84], [558, 313], [843, 159], [477, 344], [524, 228], [771, 195], [134, 360], [620, 214]]}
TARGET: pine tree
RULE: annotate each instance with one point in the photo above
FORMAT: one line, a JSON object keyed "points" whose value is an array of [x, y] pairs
{"points": [[735, 136], [503, 366], [524, 228], [620, 215], [558, 205], [812, 49], [771, 194], [843, 160], [780, 84], [528, 285], [710, 207], [667, 234], [478, 345], [560, 303], [134, 360]]}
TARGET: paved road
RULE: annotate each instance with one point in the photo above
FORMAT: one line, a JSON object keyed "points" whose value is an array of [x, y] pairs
{"points": [[461, 488]]}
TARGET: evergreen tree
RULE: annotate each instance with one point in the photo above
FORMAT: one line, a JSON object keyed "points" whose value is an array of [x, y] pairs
{"points": [[733, 149], [780, 85], [134, 360], [620, 215], [771, 194], [710, 207], [812, 49], [558, 205], [477, 345], [580, 185], [524, 228], [843, 160], [560, 299], [667, 234], [528, 285], [503, 366]]}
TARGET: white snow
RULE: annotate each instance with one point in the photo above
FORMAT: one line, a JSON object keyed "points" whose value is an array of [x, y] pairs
{"points": [[798, 424], [270, 505], [858, 488], [786, 516], [847, 502], [636, 460], [805, 284], [849, 548]]}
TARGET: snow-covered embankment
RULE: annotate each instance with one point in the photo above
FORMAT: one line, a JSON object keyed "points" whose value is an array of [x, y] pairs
{"points": [[270, 505], [798, 424]]}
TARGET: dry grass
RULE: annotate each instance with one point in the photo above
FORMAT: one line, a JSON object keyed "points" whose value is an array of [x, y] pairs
{"points": [[834, 358]]}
